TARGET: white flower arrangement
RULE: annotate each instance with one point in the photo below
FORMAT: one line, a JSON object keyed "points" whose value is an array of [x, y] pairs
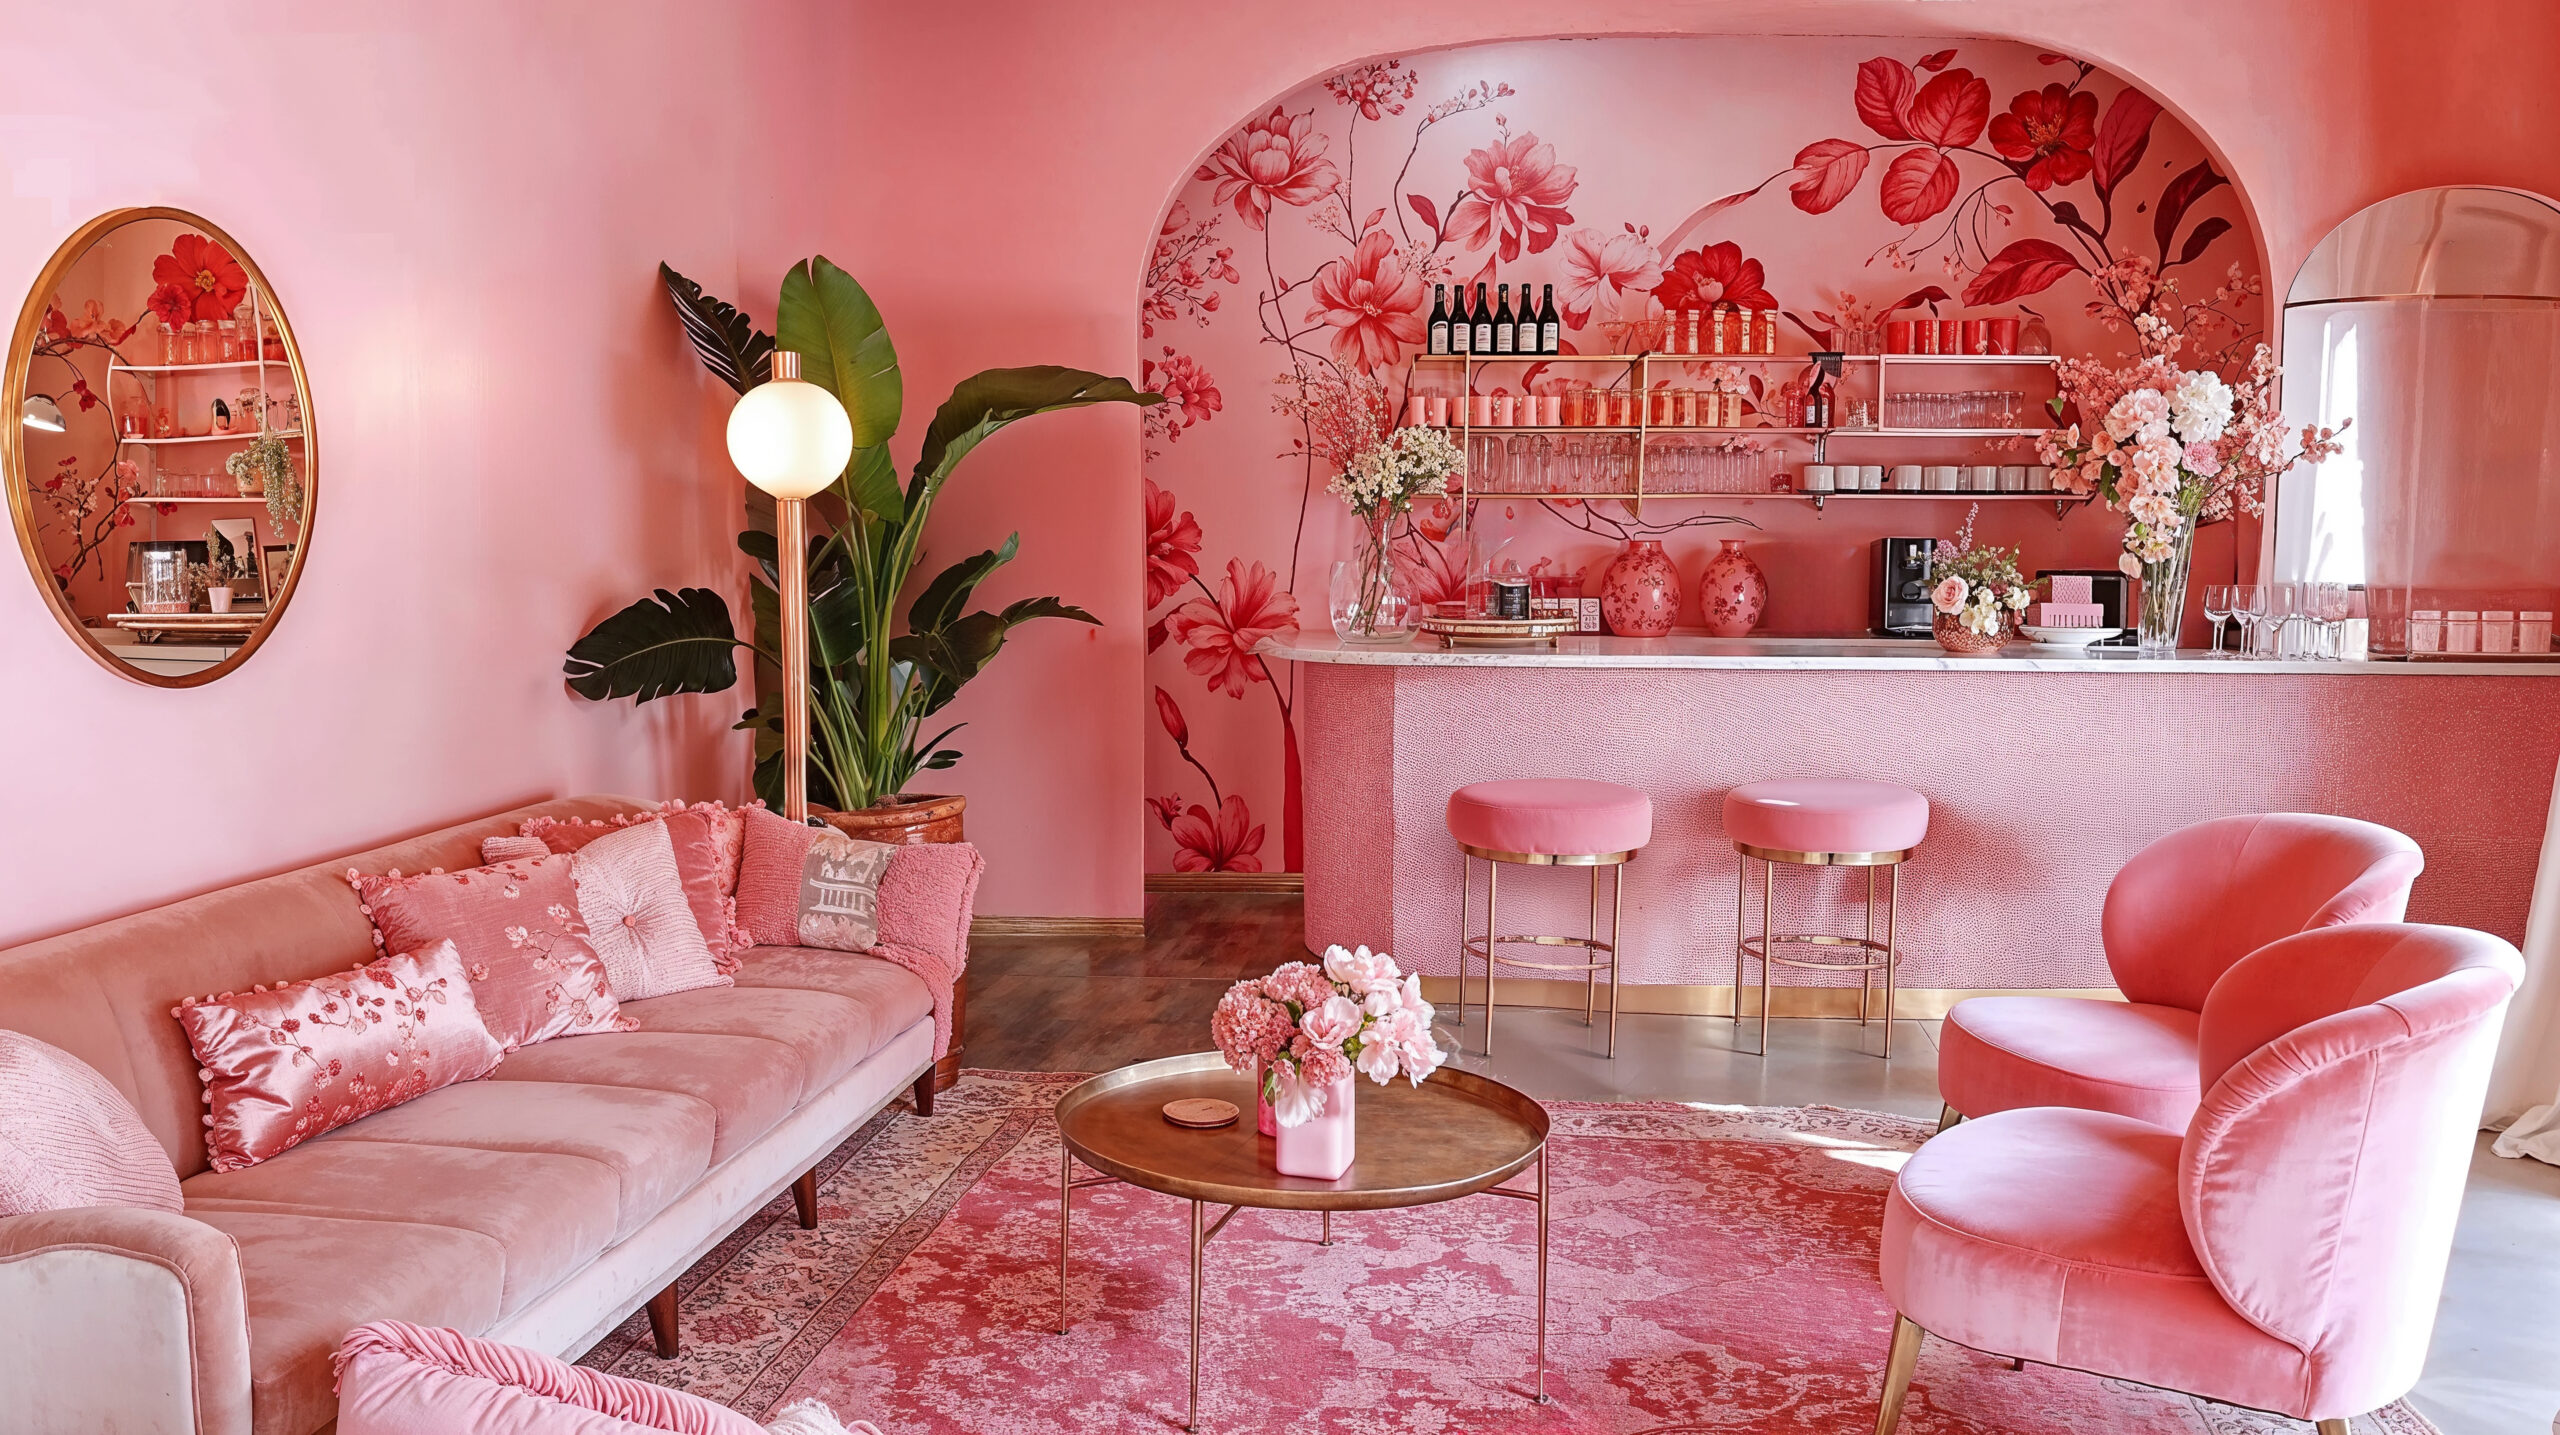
{"points": [[1980, 585], [1387, 476]]}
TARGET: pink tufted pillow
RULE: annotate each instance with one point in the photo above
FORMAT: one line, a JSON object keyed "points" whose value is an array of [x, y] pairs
{"points": [[708, 841], [395, 1378], [283, 1064], [69, 1138], [810, 886], [517, 929], [637, 917]]}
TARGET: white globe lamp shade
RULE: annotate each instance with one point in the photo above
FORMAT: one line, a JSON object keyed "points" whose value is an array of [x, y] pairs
{"points": [[789, 437]]}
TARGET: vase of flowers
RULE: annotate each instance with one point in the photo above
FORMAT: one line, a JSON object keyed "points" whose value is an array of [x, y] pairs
{"points": [[1380, 484], [1306, 1030], [1978, 595], [2170, 448]]}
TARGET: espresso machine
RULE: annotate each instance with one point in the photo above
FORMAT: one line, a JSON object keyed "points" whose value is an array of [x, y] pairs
{"points": [[1900, 574]]}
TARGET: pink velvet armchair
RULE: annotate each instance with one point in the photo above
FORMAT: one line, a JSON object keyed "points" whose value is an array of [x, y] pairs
{"points": [[2286, 1252], [2179, 914]]}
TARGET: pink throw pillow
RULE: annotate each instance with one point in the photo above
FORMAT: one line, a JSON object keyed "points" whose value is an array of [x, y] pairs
{"points": [[68, 1138], [708, 840], [494, 850], [517, 928], [810, 886], [284, 1064], [395, 1378], [925, 901], [637, 918]]}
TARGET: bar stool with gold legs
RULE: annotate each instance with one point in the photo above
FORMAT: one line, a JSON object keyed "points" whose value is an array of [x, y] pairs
{"points": [[1821, 822], [1546, 822]]}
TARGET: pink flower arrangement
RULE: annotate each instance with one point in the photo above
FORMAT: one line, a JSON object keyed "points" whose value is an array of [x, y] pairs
{"points": [[1307, 1026]]}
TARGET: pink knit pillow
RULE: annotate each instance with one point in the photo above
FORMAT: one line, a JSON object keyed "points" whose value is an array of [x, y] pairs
{"points": [[810, 886], [284, 1064], [708, 840], [637, 917], [69, 1138], [494, 850], [925, 901], [518, 931]]}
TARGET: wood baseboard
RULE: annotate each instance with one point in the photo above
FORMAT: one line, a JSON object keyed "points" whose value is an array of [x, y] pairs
{"points": [[1226, 881], [1920, 1004], [1057, 927]]}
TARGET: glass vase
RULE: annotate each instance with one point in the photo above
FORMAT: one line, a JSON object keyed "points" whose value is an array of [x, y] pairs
{"points": [[2164, 596], [1367, 604]]}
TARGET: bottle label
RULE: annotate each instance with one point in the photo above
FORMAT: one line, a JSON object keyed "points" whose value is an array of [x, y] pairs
{"points": [[1440, 337], [1502, 339], [1461, 338], [1484, 337]]}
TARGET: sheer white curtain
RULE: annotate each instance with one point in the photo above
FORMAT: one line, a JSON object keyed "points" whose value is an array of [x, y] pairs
{"points": [[2524, 1094]]}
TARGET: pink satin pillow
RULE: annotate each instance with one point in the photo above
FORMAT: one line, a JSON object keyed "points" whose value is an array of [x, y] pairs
{"points": [[68, 1138], [518, 929], [708, 840], [284, 1064], [810, 886]]}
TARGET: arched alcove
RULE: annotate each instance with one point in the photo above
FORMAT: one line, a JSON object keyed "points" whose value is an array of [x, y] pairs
{"points": [[1306, 243]]}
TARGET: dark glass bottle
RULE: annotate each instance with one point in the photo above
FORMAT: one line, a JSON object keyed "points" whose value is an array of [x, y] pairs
{"points": [[1527, 343], [1439, 319], [1484, 322], [1506, 330], [1550, 333], [1462, 327]]}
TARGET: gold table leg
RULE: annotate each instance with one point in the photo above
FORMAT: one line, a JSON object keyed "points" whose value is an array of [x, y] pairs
{"points": [[1066, 1224], [1542, 1276], [1327, 1238], [1199, 1240]]}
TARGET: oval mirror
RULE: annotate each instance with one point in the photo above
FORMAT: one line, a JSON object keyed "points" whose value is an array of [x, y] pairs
{"points": [[160, 472]]}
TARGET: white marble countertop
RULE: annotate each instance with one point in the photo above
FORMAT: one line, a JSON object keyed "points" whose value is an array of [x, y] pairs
{"points": [[1865, 654]]}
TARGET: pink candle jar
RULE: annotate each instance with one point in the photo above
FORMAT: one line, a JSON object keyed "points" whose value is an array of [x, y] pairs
{"points": [[1551, 410], [1950, 336], [1503, 407], [1897, 336], [2004, 336], [1976, 336], [1480, 409], [1437, 415], [1417, 410], [1924, 336]]}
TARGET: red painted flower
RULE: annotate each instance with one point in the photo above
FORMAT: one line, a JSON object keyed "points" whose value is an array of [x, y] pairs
{"points": [[1515, 192], [1171, 542], [1598, 268], [173, 303], [1165, 809], [1218, 637], [1699, 278], [2051, 133], [1276, 157], [1190, 393], [207, 272], [1168, 713], [1224, 841], [1373, 302]]}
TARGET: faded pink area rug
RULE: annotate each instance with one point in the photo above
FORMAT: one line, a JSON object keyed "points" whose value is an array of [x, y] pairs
{"points": [[1711, 1270]]}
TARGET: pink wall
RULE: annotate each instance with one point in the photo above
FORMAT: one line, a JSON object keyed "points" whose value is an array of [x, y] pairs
{"points": [[462, 208], [1014, 225]]}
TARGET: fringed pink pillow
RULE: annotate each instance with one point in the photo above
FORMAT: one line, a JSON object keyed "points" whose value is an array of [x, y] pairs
{"points": [[283, 1064], [925, 902], [521, 937], [68, 1138], [709, 840]]}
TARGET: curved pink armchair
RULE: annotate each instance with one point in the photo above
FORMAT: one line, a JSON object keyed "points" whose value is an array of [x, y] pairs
{"points": [[2179, 914], [2285, 1253]]}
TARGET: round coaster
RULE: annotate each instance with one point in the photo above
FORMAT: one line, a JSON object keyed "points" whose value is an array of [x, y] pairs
{"points": [[1200, 1113]]}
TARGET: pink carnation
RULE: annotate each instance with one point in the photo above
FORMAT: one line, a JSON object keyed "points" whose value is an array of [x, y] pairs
{"points": [[1318, 1066], [1301, 984], [1248, 1027]]}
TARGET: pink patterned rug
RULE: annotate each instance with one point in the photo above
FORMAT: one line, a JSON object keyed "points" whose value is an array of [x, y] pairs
{"points": [[1712, 1270]]}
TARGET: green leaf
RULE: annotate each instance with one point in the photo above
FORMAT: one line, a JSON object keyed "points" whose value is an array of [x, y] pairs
{"points": [[835, 625], [870, 485], [681, 642], [827, 319], [986, 402], [732, 347], [943, 599], [1029, 608], [826, 564]]}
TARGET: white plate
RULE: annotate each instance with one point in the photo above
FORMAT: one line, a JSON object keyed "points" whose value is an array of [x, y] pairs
{"points": [[2072, 638]]}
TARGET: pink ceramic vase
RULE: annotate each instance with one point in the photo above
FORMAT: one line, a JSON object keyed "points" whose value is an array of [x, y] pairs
{"points": [[1640, 594], [1263, 1121], [1962, 641], [1320, 1149], [1733, 593]]}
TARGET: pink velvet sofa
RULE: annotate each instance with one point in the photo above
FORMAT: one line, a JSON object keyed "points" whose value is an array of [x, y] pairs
{"points": [[540, 1206]]}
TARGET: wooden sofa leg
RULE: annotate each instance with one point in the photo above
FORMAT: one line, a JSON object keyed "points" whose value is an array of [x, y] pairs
{"points": [[1948, 1116], [2333, 1427], [1898, 1366], [804, 1194], [924, 1094], [662, 1321]]}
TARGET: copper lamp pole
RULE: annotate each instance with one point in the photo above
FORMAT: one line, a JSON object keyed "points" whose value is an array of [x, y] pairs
{"points": [[791, 517]]}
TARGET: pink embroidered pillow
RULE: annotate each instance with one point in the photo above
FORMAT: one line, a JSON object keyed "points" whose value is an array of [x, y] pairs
{"points": [[810, 886], [494, 850], [636, 914], [68, 1138], [518, 931], [708, 839], [284, 1064]]}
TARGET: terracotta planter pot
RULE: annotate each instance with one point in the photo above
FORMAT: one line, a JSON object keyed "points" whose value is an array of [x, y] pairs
{"points": [[922, 818], [1962, 641]]}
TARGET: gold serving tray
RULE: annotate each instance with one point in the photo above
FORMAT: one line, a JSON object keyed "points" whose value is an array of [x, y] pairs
{"points": [[1461, 632]]}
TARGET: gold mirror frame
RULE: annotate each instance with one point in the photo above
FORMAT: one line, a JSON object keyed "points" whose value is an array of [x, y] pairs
{"points": [[13, 455]]}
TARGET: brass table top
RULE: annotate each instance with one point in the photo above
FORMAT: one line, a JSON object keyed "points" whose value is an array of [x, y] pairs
{"points": [[1454, 1135]]}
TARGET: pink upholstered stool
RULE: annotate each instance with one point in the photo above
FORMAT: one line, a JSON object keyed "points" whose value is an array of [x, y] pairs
{"points": [[1546, 822], [1821, 822]]}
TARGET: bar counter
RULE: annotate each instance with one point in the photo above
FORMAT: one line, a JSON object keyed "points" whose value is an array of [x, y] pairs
{"points": [[2043, 773]]}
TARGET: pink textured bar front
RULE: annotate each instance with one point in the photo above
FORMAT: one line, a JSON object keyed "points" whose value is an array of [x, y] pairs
{"points": [[2040, 784]]}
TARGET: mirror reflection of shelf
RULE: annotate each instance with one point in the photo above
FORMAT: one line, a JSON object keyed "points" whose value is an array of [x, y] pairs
{"points": [[148, 498], [236, 436]]}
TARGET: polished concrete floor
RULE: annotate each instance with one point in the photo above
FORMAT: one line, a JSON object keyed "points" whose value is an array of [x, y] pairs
{"points": [[1058, 1004]]}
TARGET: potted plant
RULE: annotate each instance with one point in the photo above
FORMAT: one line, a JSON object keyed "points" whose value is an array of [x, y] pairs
{"points": [[874, 683], [1978, 593]]}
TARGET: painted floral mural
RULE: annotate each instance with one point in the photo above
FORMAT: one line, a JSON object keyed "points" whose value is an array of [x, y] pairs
{"points": [[1831, 180]]}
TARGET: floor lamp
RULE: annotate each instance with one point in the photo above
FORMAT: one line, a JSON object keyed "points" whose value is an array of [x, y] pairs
{"points": [[791, 439]]}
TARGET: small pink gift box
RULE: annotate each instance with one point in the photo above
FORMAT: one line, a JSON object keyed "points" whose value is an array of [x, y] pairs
{"points": [[2070, 615], [2068, 589]]}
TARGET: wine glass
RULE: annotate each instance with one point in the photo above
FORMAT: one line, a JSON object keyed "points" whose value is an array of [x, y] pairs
{"points": [[2250, 602], [2218, 610], [2337, 605]]}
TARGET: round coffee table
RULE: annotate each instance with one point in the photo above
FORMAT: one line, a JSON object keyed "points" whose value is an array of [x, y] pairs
{"points": [[1455, 1135]]}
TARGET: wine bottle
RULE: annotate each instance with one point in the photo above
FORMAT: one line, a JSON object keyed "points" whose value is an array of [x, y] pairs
{"points": [[1550, 333], [1506, 330], [1462, 329], [1528, 343], [1484, 322], [1439, 319]]}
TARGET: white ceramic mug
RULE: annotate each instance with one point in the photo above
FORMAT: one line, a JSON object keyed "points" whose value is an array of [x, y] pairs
{"points": [[1906, 478], [1820, 477]]}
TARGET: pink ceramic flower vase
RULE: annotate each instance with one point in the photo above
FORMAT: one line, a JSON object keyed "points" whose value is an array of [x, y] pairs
{"points": [[1640, 594], [1733, 593], [1320, 1150], [1263, 1120]]}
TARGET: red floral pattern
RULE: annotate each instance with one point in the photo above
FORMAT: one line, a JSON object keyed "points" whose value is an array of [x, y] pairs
{"points": [[1372, 302], [1173, 543], [1516, 194], [2048, 134], [1218, 637], [1699, 278], [1221, 841], [205, 273], [1191, 395], [1278, 157]]}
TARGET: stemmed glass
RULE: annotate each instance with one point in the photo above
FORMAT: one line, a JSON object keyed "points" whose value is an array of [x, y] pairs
{"points": [[2217, 611], [2337, 604], [2250, 601]]}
